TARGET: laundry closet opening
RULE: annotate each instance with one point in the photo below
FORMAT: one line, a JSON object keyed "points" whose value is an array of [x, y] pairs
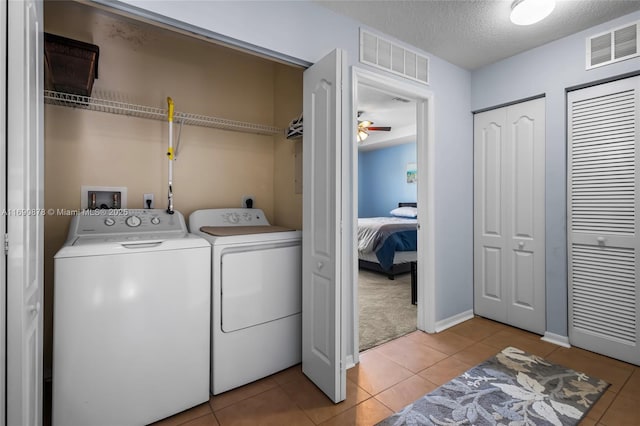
{"points": [[143, 64]]}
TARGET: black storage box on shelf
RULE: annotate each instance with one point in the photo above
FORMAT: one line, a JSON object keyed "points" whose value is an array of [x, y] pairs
{"points": [[70, 65]]}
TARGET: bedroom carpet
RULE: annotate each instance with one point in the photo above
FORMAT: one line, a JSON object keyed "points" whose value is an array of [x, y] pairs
{"points": [[514, 388], [385, 309]]}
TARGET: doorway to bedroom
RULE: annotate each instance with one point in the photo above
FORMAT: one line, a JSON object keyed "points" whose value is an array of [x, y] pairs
{"points": [[387, 163]]}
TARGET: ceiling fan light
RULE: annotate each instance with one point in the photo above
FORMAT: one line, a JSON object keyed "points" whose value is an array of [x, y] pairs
{"points": [[527, 12]]}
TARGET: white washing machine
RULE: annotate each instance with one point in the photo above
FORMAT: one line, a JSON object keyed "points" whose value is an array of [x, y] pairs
{"points": [[256, 295], [131, 319]]}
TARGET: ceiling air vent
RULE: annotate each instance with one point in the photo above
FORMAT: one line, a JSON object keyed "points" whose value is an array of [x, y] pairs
{"points": [[613, 46], [386, 55]]}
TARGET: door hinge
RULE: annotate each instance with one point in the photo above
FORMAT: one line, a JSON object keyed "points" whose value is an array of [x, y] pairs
{"points": [[6, 244]]}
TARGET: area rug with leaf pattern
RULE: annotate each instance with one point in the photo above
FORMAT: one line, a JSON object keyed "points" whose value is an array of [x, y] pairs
{"points": [[513, 388]]}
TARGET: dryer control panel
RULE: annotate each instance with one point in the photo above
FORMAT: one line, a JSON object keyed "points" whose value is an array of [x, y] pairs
{"points": [[243, 217], [230, 217], [114, 222]]}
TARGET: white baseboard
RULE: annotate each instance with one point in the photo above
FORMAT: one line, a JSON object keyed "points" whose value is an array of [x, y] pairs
{"points": [[454, 320], [556, 339]]}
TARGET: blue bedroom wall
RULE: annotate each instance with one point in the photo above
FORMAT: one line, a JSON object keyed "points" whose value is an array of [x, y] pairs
{"points": [[550, 70], [382, 180]]}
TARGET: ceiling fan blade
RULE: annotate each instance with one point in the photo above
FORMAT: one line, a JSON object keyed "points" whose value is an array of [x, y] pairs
{"points": [[384, 129]]}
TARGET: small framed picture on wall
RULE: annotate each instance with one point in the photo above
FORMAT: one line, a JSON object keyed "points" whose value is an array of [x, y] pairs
{"points": [[412, 173]]}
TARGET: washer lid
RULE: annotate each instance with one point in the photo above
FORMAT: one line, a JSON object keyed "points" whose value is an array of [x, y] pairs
{"points": [[252, 239], [131, 244], [126, 238], [227, 231]]}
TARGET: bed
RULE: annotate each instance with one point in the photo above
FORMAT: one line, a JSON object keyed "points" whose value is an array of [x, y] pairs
{"points": [[388, 244]]}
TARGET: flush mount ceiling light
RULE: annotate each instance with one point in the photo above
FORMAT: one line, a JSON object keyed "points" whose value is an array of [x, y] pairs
{"points": [[527, 12]]}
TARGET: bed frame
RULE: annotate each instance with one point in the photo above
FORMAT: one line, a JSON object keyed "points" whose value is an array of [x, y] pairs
{"points": [[396, 268]]}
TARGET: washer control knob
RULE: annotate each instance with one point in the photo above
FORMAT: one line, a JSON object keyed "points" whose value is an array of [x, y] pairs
{"points": [[233, 218], [109, 221], [155, 220], [133, 221]]}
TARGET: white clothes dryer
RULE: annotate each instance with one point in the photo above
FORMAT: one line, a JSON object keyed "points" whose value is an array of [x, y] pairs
{"points": [[256, 295], [131, 319]]}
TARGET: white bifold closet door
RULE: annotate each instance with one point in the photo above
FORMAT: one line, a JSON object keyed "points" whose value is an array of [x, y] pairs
{"points": [[603, 241], [509, 227]]}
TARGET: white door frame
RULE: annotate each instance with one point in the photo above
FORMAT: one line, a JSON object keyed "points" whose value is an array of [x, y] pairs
{"points": [[3, 206], [426, 207]]}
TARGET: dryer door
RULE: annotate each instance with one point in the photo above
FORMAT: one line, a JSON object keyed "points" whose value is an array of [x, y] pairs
{"points": [[260, 284]]}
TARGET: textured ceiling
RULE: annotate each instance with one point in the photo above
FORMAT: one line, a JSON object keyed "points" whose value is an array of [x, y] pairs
{"points": [[474, 33]]}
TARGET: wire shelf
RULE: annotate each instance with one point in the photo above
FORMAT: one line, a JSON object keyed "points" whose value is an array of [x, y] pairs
{"points": [[141, 111]]}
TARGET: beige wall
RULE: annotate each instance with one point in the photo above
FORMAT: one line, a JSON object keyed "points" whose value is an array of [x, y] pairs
{"points": [[214, 168], [288, 101]]}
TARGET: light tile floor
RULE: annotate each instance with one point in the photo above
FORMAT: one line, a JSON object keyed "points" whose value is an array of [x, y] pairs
{"points": [[392, 375]]}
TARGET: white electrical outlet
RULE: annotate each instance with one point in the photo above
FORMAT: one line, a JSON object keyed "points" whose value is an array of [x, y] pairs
{"points": [[250, 198], [148, 201]]}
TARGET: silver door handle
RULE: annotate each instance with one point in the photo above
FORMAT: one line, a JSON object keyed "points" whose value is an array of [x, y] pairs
{"points": [[521, 244], [320, 265]]}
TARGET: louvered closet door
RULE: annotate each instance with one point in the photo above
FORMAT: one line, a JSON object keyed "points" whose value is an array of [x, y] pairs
{"points": [[509, 266], [603, 155]]}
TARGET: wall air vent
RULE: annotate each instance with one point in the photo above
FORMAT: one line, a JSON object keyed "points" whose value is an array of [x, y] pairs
{"points": [[386, 55], [613, 46]]}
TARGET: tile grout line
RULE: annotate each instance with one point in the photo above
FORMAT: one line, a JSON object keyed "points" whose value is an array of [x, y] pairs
{"points": [[298, 405], [244, 398], [216, 417]]}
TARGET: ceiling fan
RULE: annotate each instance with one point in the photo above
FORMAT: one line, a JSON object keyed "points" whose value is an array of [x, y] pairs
{"points": [[365, 126]]}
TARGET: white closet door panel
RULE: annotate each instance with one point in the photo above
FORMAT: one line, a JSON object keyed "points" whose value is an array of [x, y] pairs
{"points": [[527, 227], [524, 294], [604, 294], [603, 225], [322, 348], [491, 146], [523, 177], [602, 151], [509, 275], [25, 192], [490, 241], [491, 273]]}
